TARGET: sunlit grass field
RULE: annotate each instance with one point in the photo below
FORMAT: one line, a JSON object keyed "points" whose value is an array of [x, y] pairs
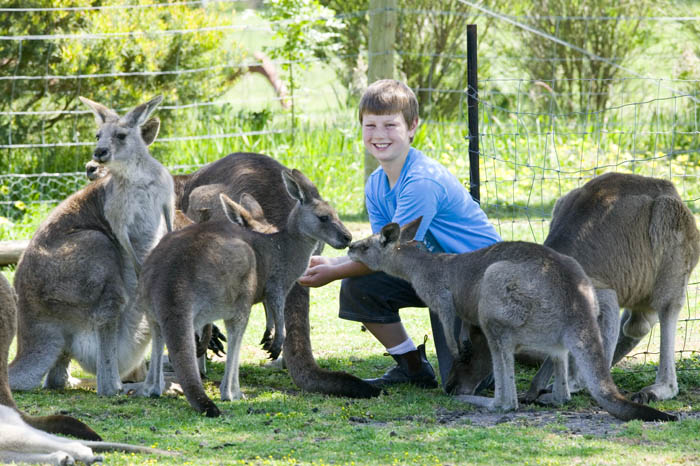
{"points": [[279, 424]]}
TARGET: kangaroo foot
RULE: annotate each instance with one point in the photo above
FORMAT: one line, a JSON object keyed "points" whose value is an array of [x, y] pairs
{"points": [[655, 392], [480, 401]]}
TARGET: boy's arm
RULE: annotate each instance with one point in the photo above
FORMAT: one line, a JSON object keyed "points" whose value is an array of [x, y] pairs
{"points": [[323, 270]]}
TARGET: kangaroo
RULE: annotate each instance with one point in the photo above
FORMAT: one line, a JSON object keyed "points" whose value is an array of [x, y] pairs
{"points": [[522, 295], [81, 266], [218, 270], [639, 243], [260, 175], [24, 438]]}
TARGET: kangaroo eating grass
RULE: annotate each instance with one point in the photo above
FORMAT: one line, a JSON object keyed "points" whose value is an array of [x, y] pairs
{"points": [[24, 438], [523, 296], [218, 270], [81, 266], [261, 176]]}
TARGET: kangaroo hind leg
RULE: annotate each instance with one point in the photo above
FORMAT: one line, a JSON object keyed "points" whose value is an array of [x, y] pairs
{"points": [[34, 359], [235, 327]]}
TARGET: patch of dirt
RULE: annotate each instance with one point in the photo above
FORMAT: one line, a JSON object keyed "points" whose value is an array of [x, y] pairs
{"points": [[597, 423]]}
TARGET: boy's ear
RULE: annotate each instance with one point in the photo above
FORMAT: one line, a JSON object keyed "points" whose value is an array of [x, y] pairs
{"points": [[409, 230], [389, 234]]}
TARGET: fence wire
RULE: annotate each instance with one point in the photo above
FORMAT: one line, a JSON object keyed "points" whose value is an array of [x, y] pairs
{"points": [[539, 138]]}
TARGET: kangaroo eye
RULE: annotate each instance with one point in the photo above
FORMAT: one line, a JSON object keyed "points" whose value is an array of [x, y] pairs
{"points": [[323, 218], [97, 136], [121, 136]]}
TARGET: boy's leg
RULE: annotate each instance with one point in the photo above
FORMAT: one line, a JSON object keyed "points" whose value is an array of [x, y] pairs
{"points": [[375, 301]]}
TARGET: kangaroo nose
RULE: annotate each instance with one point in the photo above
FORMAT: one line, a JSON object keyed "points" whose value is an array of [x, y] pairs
{"points": [[100, 154], [91, 169]]}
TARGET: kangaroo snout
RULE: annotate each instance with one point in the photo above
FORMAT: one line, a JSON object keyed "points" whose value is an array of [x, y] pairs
{"points": [[345, 239], [101, 155]]}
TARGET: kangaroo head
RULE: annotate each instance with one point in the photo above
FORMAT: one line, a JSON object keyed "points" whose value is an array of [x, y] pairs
{"points": [[374, 251], [121, 140], [315, 217], [247, 214], [94, 170]]}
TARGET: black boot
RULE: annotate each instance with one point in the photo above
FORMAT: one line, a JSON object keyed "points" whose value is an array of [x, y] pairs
{"points": [[412, 367]]}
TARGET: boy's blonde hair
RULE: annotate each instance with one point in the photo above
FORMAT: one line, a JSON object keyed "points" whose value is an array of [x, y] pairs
{"points": [[388, 96]]}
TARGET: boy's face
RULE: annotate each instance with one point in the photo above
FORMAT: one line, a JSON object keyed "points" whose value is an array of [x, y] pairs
{"points": [[387, 137]]}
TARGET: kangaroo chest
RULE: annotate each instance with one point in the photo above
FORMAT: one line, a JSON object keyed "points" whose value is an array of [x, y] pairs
{"points": [[137, 211]]}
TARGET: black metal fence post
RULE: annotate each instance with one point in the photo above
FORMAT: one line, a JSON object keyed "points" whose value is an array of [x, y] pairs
{"points": [[473, 113]]}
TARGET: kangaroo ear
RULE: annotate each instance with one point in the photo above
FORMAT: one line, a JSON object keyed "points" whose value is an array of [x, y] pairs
{"points": [[149, 130], [140, 114], [252, 206], [292, 185], [232, 210], [204, 214], [389, 234], [102, 113], [408, 231]]}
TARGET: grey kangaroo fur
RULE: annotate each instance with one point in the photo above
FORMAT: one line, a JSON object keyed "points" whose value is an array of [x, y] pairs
{"points": [[522, 295], [80, 269], [638, 242], [260, 175], [218, 270], [24, 438]]}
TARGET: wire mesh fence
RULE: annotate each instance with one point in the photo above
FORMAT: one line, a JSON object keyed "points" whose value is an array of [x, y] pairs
{"points": [[540, 136]]}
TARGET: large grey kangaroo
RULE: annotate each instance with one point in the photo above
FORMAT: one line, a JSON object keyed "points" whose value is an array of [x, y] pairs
{"points": [[260, 175], [24, 438], [639, 243], [523, 296], [218, 270], [80, 268]]}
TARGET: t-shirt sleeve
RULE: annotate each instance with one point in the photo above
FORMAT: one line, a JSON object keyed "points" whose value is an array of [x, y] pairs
{"points": [[377, 215], [418, 197]]}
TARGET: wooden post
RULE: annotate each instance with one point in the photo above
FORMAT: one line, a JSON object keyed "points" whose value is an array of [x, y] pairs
{"points": [[382, 35], [10, 251]]}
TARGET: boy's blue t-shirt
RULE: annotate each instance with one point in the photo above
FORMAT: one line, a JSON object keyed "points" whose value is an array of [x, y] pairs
{"points": [[451, 218]]}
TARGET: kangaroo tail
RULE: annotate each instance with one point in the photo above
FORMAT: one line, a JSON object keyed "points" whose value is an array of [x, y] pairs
{"points": [[300, 361], [126, 448], [594, 369], [59, 424]]}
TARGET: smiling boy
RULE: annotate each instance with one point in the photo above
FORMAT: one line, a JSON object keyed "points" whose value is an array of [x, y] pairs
{"points": [[405, 186]]}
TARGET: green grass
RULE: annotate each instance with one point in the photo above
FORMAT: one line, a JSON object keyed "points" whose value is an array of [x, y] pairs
{"points": [[279, 424]]}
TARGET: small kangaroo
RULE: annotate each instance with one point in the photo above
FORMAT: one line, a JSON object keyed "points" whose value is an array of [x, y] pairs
{"points": [[218, 270], [522, 295], [81, 267], [24, 438]]}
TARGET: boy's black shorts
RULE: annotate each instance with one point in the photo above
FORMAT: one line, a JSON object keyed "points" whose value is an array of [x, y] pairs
{"points": [[376, 298]]}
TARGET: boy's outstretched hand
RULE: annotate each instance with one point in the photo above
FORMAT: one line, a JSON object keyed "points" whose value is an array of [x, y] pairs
{"points": [[323, 270], [319, 272]]}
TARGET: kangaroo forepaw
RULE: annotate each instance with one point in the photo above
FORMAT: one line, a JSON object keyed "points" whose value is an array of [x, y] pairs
{"points": [[275, 352], [211, 410], [216, 343], [267, 338]]}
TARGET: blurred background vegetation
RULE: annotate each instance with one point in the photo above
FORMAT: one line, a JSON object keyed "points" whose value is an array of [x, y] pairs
{"points": [[573, 89]]}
